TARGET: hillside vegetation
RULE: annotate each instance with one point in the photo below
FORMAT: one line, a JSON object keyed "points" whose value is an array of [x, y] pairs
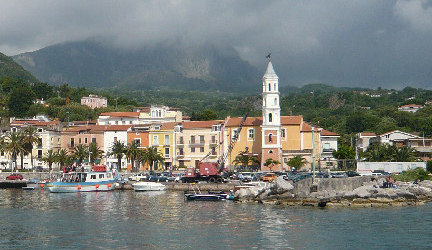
{"points": [[9, 68]]}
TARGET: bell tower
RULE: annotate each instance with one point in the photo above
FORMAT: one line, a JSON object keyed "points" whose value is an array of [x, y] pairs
{"points": [[271, 125]]}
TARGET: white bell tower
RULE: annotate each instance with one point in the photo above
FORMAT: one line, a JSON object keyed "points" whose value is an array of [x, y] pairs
{"points": [[271, 126]]}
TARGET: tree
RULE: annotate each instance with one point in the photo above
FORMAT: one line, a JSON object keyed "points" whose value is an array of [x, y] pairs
{"points": [[154, 157], [244, 159], [20, 101], [49, 158], [13, 145], [297, 162], [95, 152], [132, 152], [118, 150], [404, 154], [30, 137], [270, 163], [43, 90], [63, 158], [80, 153]]}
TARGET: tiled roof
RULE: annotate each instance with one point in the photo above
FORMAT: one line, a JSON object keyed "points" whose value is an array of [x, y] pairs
{"points": [[100, 128], [411, 106], [367, 134], [200, 124], [328, 133], [121, 114], [306, 127], [34, 123], [257, 121], [167, 125]]}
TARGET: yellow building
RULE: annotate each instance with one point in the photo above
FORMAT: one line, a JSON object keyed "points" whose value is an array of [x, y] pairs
{"points": [[161, 136]]}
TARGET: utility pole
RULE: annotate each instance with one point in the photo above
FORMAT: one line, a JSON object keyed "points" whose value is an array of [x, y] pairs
{"points": [[313, 155]]}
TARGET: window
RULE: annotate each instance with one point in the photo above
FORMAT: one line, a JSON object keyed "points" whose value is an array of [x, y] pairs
{"points": [[275, 101], [40, 130], [283, 131], [85, 140], [193, 149], [270, 117], [235, 134], [201, 138], [40, 153], [101, 176], [269, 87], [167, 140], [72, 142], [213, 139], [274, 86], [270, 151], [39, 142], [94, 140], [2, 153], [192, 139], [181, 141], [213, 150], [93, 177], [201, 149], [181, 151], [251, 133], [115, 139], [160, 113], [123, 122], [138, 142], [270, 137], [116, 122], [326, 145], [167, 152], [130, 122], [155, 140]]}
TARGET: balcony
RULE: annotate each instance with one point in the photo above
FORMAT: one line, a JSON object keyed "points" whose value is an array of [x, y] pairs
{"points": [[167, 156], [71, 145], [213, 142], [180, 142], [196, 143]]}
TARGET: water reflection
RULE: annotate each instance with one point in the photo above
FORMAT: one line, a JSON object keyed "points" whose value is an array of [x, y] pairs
{"points": [[40, 219]]}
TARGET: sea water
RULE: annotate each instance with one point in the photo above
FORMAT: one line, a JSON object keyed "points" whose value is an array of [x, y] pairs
{"points": [[156, 220]]}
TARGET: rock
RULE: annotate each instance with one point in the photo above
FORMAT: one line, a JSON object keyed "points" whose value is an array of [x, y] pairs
{"points": [[280, 186]]}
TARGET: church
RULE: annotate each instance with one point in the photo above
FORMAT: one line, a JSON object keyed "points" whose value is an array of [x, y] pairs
{"points": [[273, 136]]}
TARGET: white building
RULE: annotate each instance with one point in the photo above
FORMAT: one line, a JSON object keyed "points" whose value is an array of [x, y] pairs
{"points": [[410, 108], [113, 134], [329, 143], [141, 115], [364, 139], [366, 168], [391, 137], [94, 101]]}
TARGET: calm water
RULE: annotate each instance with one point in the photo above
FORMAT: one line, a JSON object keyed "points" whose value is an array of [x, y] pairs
{"points": [[129, 220]]}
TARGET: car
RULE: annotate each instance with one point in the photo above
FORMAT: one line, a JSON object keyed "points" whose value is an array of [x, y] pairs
{"points": [[338, 175], [246, 176], [321, 175], [139, 177], [158, 177], [14, 177], [352, 173], [269, 177], [380, 172]]}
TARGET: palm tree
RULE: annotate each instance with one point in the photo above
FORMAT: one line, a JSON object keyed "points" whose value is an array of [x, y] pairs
{"points": [[13, 145], [49, 158], [132, 152], [62, 157], [80, 153], [270, 163], [118, 150], [30, 138], [297, 162], [154, 157], [244, 159], [95, 152], [404, 154]]}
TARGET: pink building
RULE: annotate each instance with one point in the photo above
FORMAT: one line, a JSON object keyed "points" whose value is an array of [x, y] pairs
{"points": [[94, 101]]}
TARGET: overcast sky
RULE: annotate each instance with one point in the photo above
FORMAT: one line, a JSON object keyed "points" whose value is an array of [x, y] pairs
{"points": [[348, 43]]}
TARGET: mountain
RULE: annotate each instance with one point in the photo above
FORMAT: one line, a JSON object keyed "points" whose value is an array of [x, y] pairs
{"points": [[161, 66], [8, 67]]}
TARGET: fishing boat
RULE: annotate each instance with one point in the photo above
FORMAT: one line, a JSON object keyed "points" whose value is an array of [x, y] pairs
{"points": [[97, 180], [148, 186]]}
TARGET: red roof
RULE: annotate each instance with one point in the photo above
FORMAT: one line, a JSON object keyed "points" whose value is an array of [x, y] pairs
{"points": [[34, 123], [367, 134], [328, 133], [257, 121], [200, 124], [100, 128], [121, 114], [411, 106], [306, 127]]}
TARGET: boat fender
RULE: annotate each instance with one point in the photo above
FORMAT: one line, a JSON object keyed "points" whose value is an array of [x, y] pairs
{"points": [[42, 185], [109, 185], [97, 185], [79, 187]]}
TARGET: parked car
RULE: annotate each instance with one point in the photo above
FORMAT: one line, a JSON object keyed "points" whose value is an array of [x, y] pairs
{"points": [[352, 173], [269, 177], [178, 177], [322, 175], [338, 175], [380, 172], [14, 177], [139, 177], [158, 177]]}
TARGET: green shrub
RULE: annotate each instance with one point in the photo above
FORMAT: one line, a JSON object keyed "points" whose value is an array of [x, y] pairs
{"points": [[412, 175], [429, 166]]}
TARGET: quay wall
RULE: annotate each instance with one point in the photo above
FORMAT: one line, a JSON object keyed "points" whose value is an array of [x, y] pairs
{"points": [[332, 184]]}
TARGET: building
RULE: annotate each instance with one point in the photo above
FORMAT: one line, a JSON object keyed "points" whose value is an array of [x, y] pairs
{"points": [[141, 115], [195, 140], [395, 136], [94, 101], [111, 135], [364, 139], [410, 108], [49, 139], [162, 138], [329, 143], [140, 135]]}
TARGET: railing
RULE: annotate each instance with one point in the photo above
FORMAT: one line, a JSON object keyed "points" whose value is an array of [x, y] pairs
{"points": [[196, 143]]}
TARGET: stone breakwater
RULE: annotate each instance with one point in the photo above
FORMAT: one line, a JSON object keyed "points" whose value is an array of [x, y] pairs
{"points": [[361, 191]]}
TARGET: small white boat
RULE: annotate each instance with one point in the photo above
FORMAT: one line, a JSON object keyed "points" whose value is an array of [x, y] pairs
{"points": [[148, 186]]}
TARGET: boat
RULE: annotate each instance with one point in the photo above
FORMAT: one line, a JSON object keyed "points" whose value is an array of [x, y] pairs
{"points": [[148, 186], [210, 196], [97, 180]]}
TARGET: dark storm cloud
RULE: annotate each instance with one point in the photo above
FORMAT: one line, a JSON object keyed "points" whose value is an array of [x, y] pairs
{"points": [[351, 43]]}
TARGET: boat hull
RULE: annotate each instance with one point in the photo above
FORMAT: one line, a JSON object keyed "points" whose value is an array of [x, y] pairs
{"points": [[148, 186], [66, 187]]}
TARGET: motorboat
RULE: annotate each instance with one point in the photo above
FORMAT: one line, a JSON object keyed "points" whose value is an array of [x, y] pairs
{"points": [[97, 180], [211, 196], [148, 186]]}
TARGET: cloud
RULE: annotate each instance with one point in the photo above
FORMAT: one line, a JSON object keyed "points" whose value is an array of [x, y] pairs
{"points": [[357, 43]]}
